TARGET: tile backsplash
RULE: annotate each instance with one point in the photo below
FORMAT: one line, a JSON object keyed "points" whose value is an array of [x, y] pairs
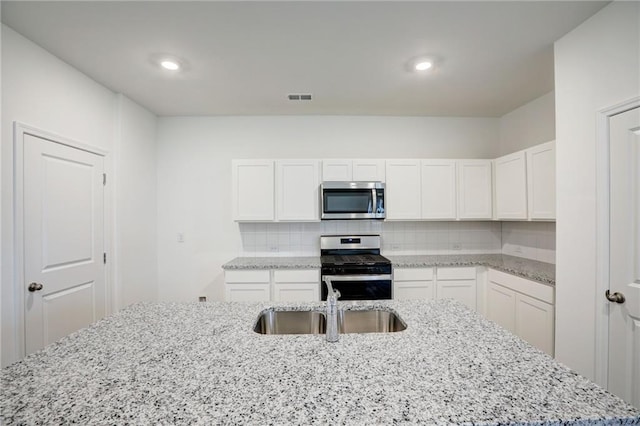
{"points": [[532, 240]]}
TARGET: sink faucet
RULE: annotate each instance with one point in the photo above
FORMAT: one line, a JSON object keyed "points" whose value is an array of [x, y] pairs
{"points": [[332, 312]]}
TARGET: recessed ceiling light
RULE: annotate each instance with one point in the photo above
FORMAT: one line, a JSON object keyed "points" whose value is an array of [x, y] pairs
{"points": [[420, 64], [423, 65], [170, 65]]}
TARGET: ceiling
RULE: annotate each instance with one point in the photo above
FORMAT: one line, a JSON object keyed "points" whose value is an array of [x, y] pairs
{"points": [[244, 58]]}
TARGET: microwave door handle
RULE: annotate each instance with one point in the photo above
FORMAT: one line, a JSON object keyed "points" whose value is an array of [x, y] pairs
{"points": [[374, 200], [357, 277]]}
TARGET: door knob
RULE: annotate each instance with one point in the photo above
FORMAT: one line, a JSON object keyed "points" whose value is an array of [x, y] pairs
{"points": [[34, 287], [614, 297]]}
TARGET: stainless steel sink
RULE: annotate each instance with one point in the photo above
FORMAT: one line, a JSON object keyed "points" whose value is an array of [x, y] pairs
{"points": [[314, 322], [290, 322], [369, 321]]}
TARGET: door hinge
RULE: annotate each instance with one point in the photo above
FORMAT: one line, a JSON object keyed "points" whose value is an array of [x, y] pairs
{"points": [[104, 179], [104, 258]]}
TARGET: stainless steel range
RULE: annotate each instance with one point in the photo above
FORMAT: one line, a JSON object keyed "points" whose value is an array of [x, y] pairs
{"points": [[355, 267]]}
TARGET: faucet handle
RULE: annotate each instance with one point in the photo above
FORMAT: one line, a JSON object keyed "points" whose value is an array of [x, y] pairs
{"points": [[337, 293]]}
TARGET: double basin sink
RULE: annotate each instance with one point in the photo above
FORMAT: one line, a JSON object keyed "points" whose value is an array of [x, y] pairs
{"points": [[315, 322]]}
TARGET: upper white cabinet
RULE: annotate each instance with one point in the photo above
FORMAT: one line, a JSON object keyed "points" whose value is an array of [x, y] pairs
{"points": [[525, 184], [541, 181], [253, 190], [439, 189], [402, 195], [511, 186], [475, 198], [456, 189], [297, 190], [353, 170]]}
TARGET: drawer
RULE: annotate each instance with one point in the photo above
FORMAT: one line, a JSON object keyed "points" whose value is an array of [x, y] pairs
{"points": [[296, 276], [413, 274], [247, 276], [466, 273]]}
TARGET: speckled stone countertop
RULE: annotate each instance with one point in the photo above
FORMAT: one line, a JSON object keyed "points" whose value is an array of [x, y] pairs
{"points": [[308, 262], [526, 268], [201, 363], [530, 269]]}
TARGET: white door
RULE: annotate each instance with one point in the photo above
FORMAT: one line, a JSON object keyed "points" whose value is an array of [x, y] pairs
{"points": [[624, 276], [64, 272]]}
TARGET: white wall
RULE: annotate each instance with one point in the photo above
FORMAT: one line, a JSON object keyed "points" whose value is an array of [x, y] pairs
{"points": [[40, 90], [194, 175], [531, 240], [596, 66], [531, 124], [136, 268]]}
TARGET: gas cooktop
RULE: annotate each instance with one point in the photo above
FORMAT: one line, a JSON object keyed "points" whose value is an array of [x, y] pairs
{"points": [[354, 259]]}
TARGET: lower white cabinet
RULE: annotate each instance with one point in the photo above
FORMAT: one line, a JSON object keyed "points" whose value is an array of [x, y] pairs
{"points": [[523, 307], [281, 285], [296, 285], [247, 286], [413, 283], [457, 283], [436, 283]]}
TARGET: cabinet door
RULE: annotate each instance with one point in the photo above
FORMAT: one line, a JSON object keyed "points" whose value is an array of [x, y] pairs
{"points": [[438, 179], [296, 292], [461, 290], [541, 181], [369, 170], [501, 306], [402, 195], [535, 322], [253, 190], [297, 190], [511, 186], [337, 170], [475, 200], [413, 290]]}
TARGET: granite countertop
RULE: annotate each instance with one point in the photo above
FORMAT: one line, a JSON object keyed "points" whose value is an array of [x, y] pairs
{"points": [[201, 363], [530, 269]]}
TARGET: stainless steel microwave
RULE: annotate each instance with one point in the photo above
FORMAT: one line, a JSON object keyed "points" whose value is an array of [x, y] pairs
{"points": [[352, 200]]}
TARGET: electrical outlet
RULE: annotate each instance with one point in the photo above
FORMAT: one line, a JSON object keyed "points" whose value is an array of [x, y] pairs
{"points": [[395, 247], [517, 249], [202, 299], [273, 249], [180, 237], [456, 246]]}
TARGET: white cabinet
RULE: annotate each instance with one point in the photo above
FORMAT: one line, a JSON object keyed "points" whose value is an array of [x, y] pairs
{"points": [[369, 170], [475, 184], [438, 182], [457, 283], [281, 285], [296, 285], [511, 186], [523, 307], [525, 184], [413, 283], [353, 170], [253, 190], [247, 286], [541, 181], [337, 170], [402, 196], [297, 190]]}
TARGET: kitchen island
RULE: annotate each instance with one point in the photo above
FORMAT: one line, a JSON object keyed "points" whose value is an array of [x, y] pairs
{"points": [[202, 363]]}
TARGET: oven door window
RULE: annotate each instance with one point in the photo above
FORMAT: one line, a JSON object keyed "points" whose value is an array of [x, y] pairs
{"points": [[360, 288], [347, 201]]}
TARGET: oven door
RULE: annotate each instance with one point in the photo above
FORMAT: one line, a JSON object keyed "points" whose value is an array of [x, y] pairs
{"points": [[359, 287]]}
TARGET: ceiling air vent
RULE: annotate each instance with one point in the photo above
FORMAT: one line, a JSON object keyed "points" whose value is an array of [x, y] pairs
{"points": [[299, 96]]}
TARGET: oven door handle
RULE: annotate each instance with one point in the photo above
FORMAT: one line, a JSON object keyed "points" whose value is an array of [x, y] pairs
{"points": [[334, 278]]}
